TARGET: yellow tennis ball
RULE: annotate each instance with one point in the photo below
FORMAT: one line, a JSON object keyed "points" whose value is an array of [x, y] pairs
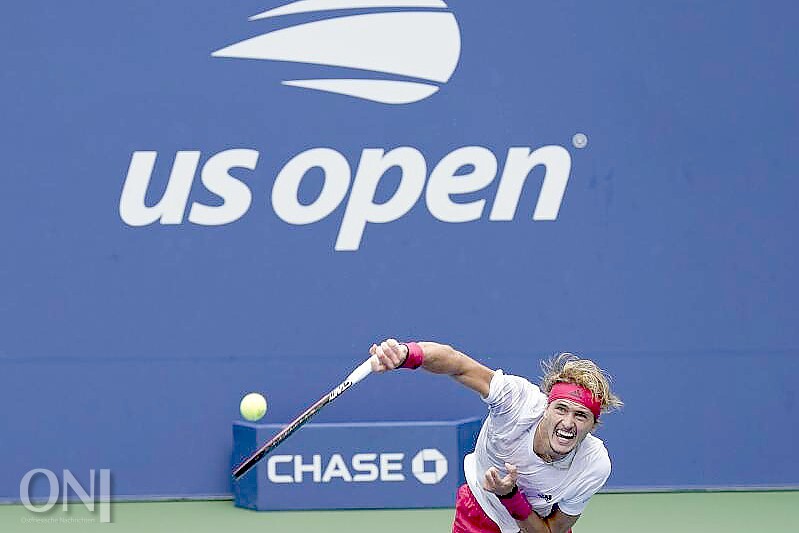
{"points": [[253, 407]]}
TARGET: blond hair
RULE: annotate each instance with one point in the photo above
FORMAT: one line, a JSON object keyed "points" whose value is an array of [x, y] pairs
{"points": [[568, 368]]}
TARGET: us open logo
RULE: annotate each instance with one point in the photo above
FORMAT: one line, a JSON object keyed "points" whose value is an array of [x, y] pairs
{"points": [[405, 56]]}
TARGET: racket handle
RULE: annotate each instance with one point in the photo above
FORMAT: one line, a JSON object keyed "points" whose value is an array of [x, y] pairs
{"points": [[363, 370]]}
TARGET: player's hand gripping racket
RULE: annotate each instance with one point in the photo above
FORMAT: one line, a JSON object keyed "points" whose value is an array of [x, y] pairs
{"points": [[357, 375]]}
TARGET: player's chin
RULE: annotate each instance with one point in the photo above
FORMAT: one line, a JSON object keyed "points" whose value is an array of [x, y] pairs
{"points": [[562, 446]]}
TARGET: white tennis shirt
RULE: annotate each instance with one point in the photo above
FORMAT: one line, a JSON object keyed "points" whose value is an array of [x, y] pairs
{"points": [[515, 407]]}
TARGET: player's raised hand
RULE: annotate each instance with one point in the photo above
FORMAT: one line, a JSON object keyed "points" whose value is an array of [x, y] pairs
{"points": [[497, 483], [387, 355]]}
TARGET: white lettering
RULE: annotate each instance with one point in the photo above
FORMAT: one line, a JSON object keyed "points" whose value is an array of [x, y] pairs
{"points": [[287, 184], [170, 208], [444, 182], [336, 468], [87, 498], [24, 490], [361, 208], [389, 464], [314, 467], [236, 196], [271, 469], [520, 162], [368, 467], [365, 464], [105, 495]]}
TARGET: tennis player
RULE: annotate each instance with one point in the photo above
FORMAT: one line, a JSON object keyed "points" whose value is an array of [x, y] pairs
{"points": [[535, 464]]}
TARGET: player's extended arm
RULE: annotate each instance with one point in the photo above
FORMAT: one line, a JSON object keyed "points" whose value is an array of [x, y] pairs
{"points": [[438, 359]]}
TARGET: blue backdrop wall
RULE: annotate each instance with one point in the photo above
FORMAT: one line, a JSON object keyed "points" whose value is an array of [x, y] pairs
{"points": [[126, 343]]}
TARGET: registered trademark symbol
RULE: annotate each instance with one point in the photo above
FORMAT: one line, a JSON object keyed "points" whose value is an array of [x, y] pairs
{"points": [[580, 140]]}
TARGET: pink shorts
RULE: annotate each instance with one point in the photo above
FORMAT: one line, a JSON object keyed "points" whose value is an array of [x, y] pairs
{"points": [[469, 516]]}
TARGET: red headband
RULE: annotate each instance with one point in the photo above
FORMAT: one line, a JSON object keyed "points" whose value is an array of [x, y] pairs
{"points": [[575, 393]]}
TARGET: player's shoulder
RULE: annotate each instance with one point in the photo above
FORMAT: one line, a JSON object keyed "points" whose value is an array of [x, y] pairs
{"points": [[502, 383], [508, 392], [594, 457]]}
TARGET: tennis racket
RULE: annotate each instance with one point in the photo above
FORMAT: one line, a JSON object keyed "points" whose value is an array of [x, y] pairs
{"points": [[363, 370]]}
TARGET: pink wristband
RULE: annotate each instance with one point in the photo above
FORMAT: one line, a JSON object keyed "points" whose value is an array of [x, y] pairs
{"points": [[517, 505], [415, 356]]}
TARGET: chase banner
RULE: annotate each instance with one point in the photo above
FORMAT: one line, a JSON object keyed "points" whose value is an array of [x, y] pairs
{"points": [[355, 466]]}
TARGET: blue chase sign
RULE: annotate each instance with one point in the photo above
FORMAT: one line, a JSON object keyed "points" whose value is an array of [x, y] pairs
{"points": [[355, 466]]}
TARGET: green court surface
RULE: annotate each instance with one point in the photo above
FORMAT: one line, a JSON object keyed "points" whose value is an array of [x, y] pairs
{"points": [[705, 512]]}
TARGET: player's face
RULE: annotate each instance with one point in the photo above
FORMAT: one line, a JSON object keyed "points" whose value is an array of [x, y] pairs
{"points": [[567, 424]]}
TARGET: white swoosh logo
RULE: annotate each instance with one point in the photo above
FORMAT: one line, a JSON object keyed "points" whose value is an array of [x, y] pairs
{"points": [[308, 6], [383, 91], [424, 45]]}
